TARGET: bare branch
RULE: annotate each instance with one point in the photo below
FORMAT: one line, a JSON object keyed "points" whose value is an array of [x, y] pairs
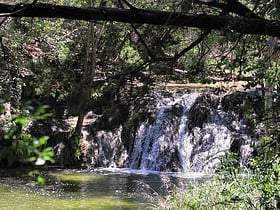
{"points": [[184, 51], [143, 42], [192, 45], [170, 59], [236, 7]]}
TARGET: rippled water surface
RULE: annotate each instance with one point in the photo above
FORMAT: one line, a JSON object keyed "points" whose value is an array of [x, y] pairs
{"points": [[91, 189]]}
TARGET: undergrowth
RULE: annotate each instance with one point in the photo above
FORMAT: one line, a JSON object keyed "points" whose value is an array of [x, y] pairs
{"points": [[233, 188]]}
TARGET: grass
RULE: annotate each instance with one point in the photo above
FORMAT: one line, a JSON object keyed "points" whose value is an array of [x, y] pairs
{"points": [[229, 191], [215, 194], [211, 195]]}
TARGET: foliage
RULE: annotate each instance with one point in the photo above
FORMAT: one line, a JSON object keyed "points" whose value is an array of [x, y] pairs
{"points": [[48, 56], [266, 167], [257, 188], [74, 148], [19, 146]]}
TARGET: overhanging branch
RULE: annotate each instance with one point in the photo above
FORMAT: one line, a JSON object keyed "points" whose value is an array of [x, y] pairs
{"points": [[17, 10], [243, 25]]}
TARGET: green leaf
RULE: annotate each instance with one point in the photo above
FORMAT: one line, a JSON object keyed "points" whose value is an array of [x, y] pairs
{"points": [[43, 140], [36, 142], [47, 158], [32, 159], [21, 120], [33, 173], [50, 153], [41, 180]]}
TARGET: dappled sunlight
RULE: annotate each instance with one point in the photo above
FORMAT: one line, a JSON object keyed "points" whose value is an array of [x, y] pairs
{"points": [[67, 176]]}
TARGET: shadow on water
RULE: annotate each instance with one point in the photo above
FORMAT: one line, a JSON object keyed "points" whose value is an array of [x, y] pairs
{"points": [[92, 189]]}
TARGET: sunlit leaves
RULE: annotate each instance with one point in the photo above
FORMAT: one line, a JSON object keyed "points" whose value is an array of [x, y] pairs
{"points": [[272, 74], [130, 55], [21, 120], [41, 155], [21, 146], [41, 180]]}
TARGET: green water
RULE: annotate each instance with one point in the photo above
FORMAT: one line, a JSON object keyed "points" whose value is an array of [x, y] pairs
{"points": [[72, 189]]}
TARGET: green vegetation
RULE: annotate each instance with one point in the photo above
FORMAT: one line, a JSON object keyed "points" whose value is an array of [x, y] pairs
{"points": [[75, 66], [19, 146], [234, 188]]}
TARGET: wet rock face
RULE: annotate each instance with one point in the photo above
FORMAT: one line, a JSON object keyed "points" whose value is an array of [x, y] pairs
{"points": [[242, 103], [112, 117], [199, 111], [177, 132], [172, 161], [233, 102], [155, 145], [107, 150], [175, 111], [235, 146]]}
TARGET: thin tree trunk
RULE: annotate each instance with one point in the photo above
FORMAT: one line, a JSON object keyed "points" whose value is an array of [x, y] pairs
{"points": [[271, 89], [89, 70], [87, 77]]}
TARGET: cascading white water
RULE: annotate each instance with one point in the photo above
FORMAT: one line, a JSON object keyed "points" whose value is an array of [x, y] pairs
{"points": [[162, 141], [185, 132], [168, 143], [206, 145], [184, 142]]}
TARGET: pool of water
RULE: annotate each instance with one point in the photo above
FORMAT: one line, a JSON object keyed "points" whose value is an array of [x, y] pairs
{"points": [[90, 189]]}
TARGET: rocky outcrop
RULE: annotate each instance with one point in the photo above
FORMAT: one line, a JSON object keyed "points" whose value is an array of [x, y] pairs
{"points": [[105, 149], [199, 111], [169, 131], [243, 103], [112, 117]]}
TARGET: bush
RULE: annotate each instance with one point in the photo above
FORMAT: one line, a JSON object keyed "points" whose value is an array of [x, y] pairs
{"points": [[235, 188], [19, 147]]}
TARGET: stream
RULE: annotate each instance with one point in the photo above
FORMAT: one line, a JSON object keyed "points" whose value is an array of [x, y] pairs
{"points": [[102, 188]]}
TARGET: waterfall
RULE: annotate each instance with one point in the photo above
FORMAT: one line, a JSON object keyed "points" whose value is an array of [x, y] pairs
{"points": [[171, 143], [160, 145], [185, 131]]}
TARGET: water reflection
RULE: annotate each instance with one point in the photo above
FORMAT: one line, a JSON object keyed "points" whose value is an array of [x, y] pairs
{"points": [[90, 189]]}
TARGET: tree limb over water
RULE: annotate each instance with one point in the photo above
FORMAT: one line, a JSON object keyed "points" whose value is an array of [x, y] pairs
{"points": [[243, 25]]}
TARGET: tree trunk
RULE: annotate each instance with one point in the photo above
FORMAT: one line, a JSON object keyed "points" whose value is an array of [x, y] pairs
{"points": [[89, 69], [87, 77]]}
